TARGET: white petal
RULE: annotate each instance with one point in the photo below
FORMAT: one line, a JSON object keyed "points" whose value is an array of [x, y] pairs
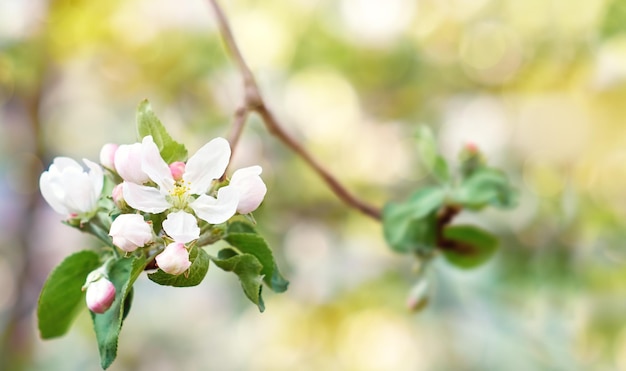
{"points": [[153, 164], [147, 199], [217, 210], [52, 192], [181, 226], [251, 188], [96, 176], [128, 163], [207, 164]]}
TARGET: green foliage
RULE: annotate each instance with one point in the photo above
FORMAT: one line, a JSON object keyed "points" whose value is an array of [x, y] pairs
{"points": [[197, 271], [123, 273], [410, 226], [435, 164], [149, 124], [248, 268], [61, 297], [475, 246], [254, 244], [485, 187]]}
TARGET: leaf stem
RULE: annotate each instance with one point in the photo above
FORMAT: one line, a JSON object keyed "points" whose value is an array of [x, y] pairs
{"points": [[253, 102]]}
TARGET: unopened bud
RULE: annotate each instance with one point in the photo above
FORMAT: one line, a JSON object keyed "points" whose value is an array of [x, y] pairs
{"points": [[100, 295], [130, 231], [177, 169], [174, 259], [418, 296], [107, 155]]}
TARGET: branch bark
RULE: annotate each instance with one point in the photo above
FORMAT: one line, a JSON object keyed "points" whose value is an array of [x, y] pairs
{"points": [[253, 102]]}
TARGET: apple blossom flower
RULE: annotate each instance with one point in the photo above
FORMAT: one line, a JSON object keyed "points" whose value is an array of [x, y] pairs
{"points": [[251, 188], [69, 190], [182, 227], [107, 155], [206, 165], [130, 231], [128, 163]]}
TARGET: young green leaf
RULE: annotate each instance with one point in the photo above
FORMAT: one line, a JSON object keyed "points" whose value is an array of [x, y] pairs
{"points": [[475, 246], [61, 297], [149, 124], [254, 244], [484, 187], [427, 148], [107, 325], [198, 269], [410, 226], [248, 268]]}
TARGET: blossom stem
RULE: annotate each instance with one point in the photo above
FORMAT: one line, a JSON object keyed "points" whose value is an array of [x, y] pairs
{"points": [[253, 102]]}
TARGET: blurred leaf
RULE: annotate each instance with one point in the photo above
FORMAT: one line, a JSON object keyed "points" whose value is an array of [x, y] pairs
{"points": [[61, 297], [484, 187], [475, 246], [252, 243], [149, 124], [436, 165], [613, 23], [410, 226], [248, 268], [197, 271], [108, 325]]}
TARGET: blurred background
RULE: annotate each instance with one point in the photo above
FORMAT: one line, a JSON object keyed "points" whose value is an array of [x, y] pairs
{"points": [[538, 85]]}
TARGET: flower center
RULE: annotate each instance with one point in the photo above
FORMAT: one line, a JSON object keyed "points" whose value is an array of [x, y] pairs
{"points": [[180, 194]]}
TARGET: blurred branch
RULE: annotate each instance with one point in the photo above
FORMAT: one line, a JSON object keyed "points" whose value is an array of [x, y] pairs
{"points": [[253, 102]]}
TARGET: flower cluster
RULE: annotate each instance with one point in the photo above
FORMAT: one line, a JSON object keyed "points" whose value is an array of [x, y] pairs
{"points": [[158, 209]]}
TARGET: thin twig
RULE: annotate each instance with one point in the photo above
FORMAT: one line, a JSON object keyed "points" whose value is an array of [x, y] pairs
{"points": [[253, 102]]}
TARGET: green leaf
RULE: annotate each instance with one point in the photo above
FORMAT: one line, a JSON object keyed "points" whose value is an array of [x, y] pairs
{"points": [[435, 164], [252, 243], [123, 273], [474, 246], [248, 268], [61, 297], [484, 187], [240, 226], [198, 269], [149, 124], [410, 226]]}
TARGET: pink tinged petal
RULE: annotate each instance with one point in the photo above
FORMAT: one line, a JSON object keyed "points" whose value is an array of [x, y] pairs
{"points": [[100, 295], [153, 164], [217, 210], [182, 227], [146, 199], [207, 164], [251, 188], [130, 231], [107, 155], [174, 259], [128, 163]]}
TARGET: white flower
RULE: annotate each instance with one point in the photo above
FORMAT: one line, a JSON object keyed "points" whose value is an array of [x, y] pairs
{"points": [[69, 189], [130, 231], [251, 188], [128, 163], [206, 165], [182, 227]]}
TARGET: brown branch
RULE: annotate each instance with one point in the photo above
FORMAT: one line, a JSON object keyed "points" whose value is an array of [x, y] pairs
{"points": [[253, 102]]}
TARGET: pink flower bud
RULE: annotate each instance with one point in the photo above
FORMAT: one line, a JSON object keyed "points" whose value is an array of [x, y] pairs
{"points": [[130, 231], [107, 155], [471, 147], [177, 169], [128, 163], [118, 196], [251, 188], [100, 295], [174, 259]]}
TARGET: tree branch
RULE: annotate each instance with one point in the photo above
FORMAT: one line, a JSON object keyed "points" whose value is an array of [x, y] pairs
{"points": [[253, 102]]}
